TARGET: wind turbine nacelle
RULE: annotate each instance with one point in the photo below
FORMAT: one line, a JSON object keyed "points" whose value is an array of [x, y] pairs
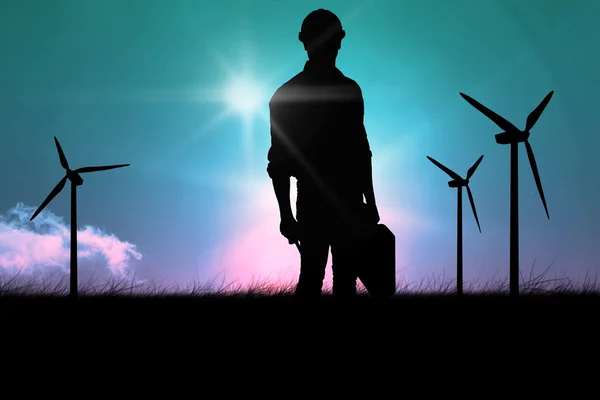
{"points": [[75, 178], [508, 138], [455, 183]]}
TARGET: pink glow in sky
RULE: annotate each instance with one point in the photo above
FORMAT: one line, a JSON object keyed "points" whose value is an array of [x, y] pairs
{"points": [[256, 251]]}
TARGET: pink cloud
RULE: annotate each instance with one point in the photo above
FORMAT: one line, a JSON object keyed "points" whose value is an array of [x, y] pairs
{"points": [[45, 242]]}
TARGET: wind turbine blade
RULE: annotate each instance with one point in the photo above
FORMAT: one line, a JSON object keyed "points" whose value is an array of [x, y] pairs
{"points": [[472, 170], [535, 114], [452, 174], [61, 155], [536, 175], [473, 207], [52, 195], [498, 120], [94, 169]]}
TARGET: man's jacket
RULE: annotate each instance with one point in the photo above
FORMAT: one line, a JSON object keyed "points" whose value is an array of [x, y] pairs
{"points": [[318, 136]]}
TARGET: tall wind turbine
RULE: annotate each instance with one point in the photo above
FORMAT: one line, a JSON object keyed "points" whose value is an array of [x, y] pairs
{"points": [[458, 182], [513, 136], [76, 180]]}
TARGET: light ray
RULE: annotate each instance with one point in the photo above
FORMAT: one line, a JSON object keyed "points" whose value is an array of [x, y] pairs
{"points": [[218, 58], [323, 187], [247, 109], [193, 138], [248, 135]]}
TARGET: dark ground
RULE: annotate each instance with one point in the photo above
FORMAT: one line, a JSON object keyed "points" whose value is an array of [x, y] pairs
{"points": [[278, 328], [324, 300], [205, 308]]}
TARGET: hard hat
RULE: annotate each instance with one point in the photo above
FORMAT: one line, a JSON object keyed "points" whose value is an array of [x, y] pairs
{"points": [[321, 25]]}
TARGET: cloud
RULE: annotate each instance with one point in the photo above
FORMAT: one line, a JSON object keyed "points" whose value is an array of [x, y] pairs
{"points": [[44, 243]]}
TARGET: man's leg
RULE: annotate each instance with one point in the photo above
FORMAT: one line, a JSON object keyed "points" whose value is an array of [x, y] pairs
{"points": [[344, 265], [314, 251]]}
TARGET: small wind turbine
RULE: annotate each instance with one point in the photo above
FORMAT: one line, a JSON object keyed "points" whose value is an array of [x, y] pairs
{"points": [[458, 182], [76, 180], [513, 136]]}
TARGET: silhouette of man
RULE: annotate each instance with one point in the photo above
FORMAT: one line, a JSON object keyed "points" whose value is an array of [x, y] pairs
{"points": [[318, 136]]}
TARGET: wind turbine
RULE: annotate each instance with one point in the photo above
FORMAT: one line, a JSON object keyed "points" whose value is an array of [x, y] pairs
{"points": [[513, 136], [458, 182], [76, 180]]}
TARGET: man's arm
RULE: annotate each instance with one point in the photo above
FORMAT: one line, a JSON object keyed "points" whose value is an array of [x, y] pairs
{"points": [[368, 190], [282, 192], [279, 167], [365, 154]]}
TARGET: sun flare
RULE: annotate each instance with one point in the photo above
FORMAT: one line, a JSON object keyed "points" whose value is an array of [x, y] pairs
{"points": [[244, 96]]}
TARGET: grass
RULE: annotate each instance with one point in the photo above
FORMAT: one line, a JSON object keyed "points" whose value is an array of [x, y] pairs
{"points": [[538, 285], [219, 312]]}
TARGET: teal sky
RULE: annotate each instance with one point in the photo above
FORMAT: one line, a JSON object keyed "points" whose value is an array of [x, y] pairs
{"points": [[135, 82]]}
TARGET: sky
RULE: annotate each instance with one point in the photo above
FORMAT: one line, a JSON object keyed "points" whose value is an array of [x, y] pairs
{"points": [[145, 82]]}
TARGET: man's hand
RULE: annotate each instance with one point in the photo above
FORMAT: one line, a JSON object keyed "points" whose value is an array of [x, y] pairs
{"points": [[290, 229]]}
